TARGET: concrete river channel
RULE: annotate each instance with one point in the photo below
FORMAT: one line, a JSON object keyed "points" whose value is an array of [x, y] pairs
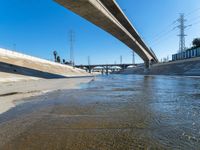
{"points": [[115, 112]]}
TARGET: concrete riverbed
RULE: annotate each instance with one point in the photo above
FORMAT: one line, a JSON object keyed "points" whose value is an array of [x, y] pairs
{"points": [[11, 92], [117, 112]]}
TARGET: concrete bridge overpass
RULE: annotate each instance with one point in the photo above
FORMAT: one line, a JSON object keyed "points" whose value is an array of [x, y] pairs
{"points": [[107, 15], [105, 67]]}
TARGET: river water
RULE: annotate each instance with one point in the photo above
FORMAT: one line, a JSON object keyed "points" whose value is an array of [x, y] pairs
{"points": [[115, 112]]}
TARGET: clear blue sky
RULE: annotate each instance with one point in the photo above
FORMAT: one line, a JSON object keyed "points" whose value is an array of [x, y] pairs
{"points": [[37, 27]]}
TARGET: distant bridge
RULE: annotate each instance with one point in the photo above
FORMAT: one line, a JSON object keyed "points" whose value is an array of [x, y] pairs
{"points": [[105, 67], [107, 15]]}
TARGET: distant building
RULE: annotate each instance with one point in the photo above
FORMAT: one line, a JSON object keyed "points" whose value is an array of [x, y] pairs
{"points": [[189, 53]]}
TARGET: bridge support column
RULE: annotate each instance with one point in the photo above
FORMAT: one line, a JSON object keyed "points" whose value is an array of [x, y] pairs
{"points": [[147, 64], [102, 71], [106, 70], [147, 67], [90, 70]]}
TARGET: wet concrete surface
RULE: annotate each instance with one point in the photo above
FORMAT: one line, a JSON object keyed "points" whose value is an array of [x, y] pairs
{"points": [[112, 113]]}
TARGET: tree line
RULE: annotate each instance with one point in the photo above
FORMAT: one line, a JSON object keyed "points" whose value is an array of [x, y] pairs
{"points": [[57, 59]]}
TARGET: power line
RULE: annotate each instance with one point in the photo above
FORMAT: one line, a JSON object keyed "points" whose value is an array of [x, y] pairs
{"points": [[164, 31], [195, 18], [164, 36], [193, 11], [167, 33], [167, 36], [196, 23]]}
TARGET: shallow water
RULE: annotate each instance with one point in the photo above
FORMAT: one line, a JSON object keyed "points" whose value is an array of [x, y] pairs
{"points": [[116, 112]]}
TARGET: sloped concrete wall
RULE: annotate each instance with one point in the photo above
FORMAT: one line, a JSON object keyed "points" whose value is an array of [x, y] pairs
{"points": [[189, 67], [17, 63]]}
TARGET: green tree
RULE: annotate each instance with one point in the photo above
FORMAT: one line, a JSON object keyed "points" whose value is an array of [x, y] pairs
{"points": [[58, 59], [196, 42], [55, 55]]}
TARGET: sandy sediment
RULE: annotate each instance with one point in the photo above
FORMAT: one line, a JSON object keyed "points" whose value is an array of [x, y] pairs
{"points": [[11, 77], [10, 92]]}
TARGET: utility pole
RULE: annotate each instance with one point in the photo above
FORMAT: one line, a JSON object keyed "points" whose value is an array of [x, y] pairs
{"points": [[133, 61], [89, 60], [89, 64], [72, 40]]}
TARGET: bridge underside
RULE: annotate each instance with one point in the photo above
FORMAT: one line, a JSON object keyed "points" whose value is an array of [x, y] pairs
{"points": [[107, 15]]}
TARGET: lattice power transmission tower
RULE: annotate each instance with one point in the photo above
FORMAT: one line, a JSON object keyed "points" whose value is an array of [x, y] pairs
{"points": [[89, 60], [121, 59], [72, 40], [182, 34]]}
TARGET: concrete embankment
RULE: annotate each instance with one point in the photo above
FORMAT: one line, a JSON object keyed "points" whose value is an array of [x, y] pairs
{"points": [[189, 67], [22, 76], [16, 66]]}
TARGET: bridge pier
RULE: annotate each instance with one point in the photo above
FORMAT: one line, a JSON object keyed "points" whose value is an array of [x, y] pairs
{"points": [[102, 71], [89, 70], [106, 70], [147, 64]]}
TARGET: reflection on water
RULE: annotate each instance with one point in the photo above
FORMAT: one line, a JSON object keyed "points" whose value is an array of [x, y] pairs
{"points": [[113, 112]]}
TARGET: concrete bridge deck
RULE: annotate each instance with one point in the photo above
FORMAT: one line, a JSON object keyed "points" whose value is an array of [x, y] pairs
{"points": [[107, 15], [105, 65]]}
